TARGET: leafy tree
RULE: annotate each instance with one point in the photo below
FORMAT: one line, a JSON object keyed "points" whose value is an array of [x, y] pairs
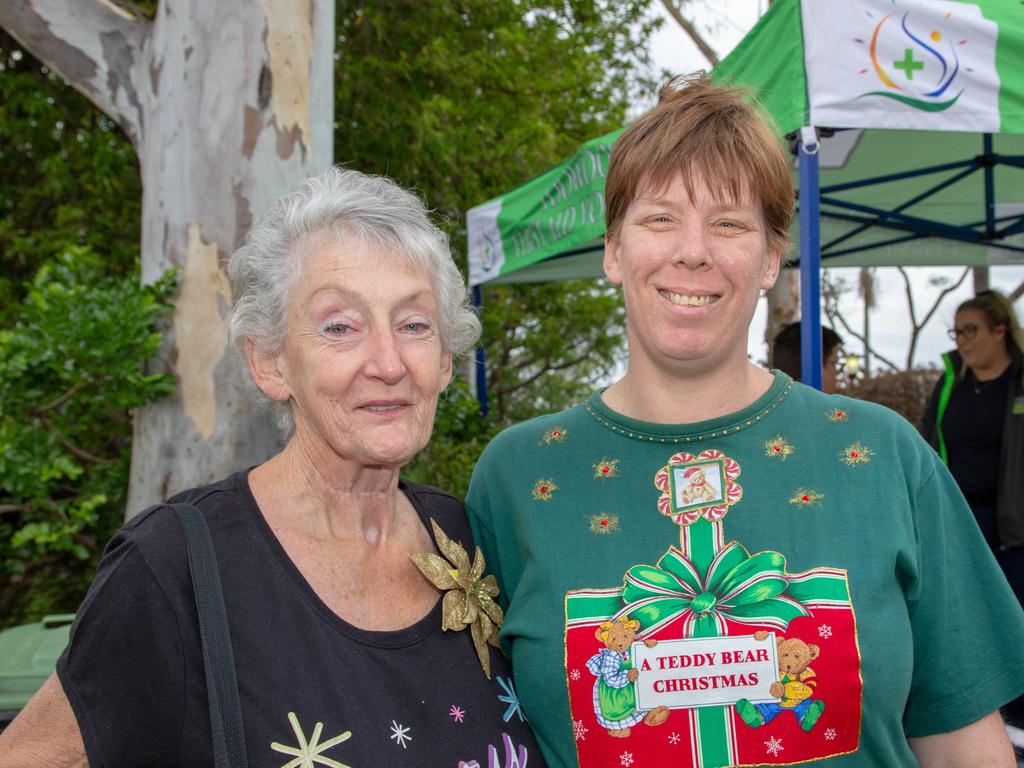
{"points": [[465, 100], [460, 100], [68, 177], [70, 373]]}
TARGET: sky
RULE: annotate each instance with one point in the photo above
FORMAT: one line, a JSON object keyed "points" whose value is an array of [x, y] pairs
{"points": [[725, 22]]}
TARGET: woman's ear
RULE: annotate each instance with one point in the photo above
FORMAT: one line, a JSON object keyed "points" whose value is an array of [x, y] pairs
{"points": [[612, 267], [772, 266], [267, 371], [447, 371]]}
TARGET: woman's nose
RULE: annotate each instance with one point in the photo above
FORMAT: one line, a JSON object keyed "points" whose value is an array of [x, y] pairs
{"points": [[384, 361], [692, 248]]}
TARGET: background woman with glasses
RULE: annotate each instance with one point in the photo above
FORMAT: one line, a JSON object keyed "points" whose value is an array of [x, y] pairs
{"points": [[975, 420]]}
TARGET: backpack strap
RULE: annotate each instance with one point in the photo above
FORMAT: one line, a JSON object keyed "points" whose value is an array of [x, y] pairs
{"points": [[218, 659]]}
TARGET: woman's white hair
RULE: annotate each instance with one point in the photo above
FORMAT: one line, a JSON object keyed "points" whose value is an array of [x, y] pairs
{"points": [[349, 207]]}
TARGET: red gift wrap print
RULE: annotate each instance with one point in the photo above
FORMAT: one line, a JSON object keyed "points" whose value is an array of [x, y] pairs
{"points": [[782, 741]]}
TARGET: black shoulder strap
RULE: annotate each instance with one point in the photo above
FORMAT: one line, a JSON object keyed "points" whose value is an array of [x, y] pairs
{"points": [[218, 659]]}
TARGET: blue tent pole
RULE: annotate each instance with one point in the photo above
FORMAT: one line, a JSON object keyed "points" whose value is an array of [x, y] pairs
{"points": [[481, 360], [810, 260]]}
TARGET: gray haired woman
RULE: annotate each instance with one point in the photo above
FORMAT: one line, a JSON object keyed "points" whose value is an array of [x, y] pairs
{"points": [[349, 311]]}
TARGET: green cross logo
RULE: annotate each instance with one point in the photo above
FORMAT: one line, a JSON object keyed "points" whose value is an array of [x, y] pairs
{"points": [[908, 64]]}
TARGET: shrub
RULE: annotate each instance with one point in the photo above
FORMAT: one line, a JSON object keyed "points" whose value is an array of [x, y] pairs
{"points": [[906, 392], [71, 371]]}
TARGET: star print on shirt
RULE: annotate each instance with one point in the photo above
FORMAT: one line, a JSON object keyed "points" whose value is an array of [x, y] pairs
{"points": [[310, 751], [400, 734]]}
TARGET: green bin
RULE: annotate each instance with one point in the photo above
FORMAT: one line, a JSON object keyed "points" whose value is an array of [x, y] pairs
{"points": [[28, 655]]}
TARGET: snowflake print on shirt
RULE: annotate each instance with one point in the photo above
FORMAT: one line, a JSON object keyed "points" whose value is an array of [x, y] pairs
{"points": [[626, 759], [805, 497], [543, 489], [579, 730], [825, 631], [511, 698], [400, 734], [574, 675], [855, 454], [778, 448], [309, 750], [456, 713], [830, 734], [774, 746], [673, 738], [555, 435]]}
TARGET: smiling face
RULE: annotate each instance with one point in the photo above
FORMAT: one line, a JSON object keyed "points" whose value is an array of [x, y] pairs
{"points": [[362, 362], [987, 348], [691, 272]]}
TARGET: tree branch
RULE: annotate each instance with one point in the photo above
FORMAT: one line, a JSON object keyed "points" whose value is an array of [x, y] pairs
{"points": [[96, 45], [945, 292], [1016, 293], [6, 509], [60, 400], [917, 327], [81, 453], [881, 358], [910, 296], [706, 50]]}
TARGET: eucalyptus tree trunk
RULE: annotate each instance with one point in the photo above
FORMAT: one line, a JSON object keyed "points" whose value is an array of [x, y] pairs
{"points": [[229, 104]]}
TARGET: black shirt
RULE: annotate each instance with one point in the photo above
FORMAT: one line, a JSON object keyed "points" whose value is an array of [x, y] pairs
{"points": [[133, 670], [973, 430]]}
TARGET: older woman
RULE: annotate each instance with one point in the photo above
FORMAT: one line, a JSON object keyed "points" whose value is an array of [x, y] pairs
{"points": [[349, 310], [726, 567]]}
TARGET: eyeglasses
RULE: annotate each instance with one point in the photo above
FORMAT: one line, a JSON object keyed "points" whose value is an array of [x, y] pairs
{"points": [[969, 331]]}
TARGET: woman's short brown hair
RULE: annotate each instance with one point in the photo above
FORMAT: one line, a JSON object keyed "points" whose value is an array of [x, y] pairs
{"points": [[701, 129]]}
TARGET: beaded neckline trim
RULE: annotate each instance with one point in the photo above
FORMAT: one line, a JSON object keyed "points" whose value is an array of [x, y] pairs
{"points": [[732, 429]]}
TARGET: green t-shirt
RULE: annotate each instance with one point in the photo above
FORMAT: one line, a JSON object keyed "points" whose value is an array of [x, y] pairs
{"points": [[824, 521]]}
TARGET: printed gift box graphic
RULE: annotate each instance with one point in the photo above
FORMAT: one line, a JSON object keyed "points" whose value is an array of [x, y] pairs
{"points": [[713, 656]]}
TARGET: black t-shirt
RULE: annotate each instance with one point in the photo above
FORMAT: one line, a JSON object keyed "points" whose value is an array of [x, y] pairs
{"points": [[973, 430], [133, 670]]}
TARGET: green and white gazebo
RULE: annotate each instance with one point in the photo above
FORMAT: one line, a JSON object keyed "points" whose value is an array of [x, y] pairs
{"points": [[907, 118]]}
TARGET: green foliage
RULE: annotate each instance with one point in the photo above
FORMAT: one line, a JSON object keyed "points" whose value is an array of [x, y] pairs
{"points": [[70, 372], [460, 100], [460, 435], [464, 101], [68, 177]]}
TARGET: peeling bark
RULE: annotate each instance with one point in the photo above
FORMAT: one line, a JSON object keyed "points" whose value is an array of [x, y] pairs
{"points": [[289, 42], [93, 44], [201, 329], [214, 96]]}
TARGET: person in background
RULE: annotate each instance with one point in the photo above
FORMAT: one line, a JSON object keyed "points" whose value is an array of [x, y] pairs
{"points": [[975, 420], [786, 355], [349, 310], [826, 600]]}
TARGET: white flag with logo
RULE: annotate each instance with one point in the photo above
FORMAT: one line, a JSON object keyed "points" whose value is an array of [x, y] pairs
{"points": [[923, 64]]}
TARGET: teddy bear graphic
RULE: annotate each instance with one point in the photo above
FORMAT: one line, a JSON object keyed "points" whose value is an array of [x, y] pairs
{"points": [[614, 696], [794, 688], [698, 489]]}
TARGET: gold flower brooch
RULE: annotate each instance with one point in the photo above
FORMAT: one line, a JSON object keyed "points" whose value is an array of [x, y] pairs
{"points": [[469, 595]]}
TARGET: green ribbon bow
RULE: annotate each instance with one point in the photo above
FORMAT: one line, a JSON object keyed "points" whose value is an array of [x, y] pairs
{"points": [[736, 586]]}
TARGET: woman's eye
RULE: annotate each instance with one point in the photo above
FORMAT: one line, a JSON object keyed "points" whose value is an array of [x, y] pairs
{"points": [[731, 226], [416, 326], [337, 328]]}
